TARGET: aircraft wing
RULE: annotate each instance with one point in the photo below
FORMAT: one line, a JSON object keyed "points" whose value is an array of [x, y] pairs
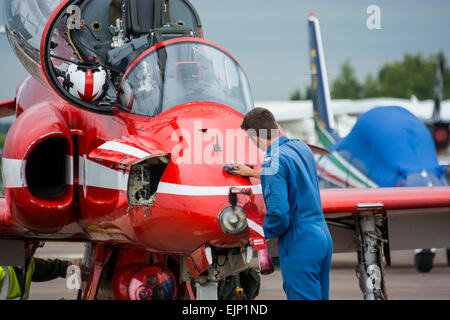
{"points": [[417, 217]]}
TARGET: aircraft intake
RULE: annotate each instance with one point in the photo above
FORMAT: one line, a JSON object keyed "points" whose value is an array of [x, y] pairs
{"points": [[38, 170]]}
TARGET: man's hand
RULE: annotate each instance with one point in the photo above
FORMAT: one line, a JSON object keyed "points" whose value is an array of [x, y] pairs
{"points": [[76, 262], [246, 171]]}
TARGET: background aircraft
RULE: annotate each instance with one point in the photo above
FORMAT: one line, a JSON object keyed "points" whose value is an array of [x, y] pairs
{"points": [[388, 146]]}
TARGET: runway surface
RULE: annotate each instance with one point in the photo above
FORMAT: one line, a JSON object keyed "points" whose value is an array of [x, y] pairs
{"points": [[403, 281]]}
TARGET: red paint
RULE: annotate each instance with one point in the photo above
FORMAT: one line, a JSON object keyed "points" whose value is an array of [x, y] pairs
{"points": [[197, 262], [122, 279], [94, 206], [346, 200]]}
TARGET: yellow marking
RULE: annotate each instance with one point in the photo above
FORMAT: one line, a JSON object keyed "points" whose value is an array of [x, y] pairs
{"points": [[313, 53]]}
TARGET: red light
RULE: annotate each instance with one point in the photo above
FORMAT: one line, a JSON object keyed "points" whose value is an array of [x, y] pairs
{"points": [[441, 135]]}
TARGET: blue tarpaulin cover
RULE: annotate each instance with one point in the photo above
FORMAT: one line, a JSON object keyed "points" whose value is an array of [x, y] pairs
{"points": [[389, 143]]}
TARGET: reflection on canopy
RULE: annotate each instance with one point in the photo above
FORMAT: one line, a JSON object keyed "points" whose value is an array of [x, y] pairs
{"points": [[25, 23]]}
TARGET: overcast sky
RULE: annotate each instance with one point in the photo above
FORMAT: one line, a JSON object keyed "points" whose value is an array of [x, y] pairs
{"points": [[270, 38]]}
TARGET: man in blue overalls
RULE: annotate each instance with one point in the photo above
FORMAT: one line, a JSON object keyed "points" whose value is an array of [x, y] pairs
{"points": [[294, 210]]}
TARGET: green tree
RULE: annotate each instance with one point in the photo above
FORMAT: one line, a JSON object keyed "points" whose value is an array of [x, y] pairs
{"points": [[347, 86], [414, 75], [296, 95], [371, 87], [309, 93]]}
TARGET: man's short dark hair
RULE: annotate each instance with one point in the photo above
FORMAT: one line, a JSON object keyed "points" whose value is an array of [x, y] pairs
{"points": [[261, 121]]}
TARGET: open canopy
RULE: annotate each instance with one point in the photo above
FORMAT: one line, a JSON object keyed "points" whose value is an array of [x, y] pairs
{"points": [[82, 48]]}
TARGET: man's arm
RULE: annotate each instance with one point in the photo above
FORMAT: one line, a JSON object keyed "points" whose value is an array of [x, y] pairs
{"points": [[46, 270]]}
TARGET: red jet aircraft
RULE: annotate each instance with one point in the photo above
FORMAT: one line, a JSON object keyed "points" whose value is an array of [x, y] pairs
{"points": [[122, 133]]}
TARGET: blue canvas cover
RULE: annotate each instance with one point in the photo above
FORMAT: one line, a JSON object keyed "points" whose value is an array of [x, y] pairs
{"points": [[389, 143]]}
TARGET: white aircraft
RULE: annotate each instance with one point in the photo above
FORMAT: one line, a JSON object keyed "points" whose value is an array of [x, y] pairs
{"points": [[296, 117]]}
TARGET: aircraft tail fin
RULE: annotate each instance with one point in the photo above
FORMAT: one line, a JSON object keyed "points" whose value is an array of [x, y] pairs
{"points": [[439, 128], [323, 115], [438, 87]]}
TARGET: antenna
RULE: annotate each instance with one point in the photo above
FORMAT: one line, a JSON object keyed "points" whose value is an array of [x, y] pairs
{"points": [[438, 87]]}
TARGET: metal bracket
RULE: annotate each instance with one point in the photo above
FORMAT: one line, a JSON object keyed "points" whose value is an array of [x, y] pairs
{"points": [[370, 270]]}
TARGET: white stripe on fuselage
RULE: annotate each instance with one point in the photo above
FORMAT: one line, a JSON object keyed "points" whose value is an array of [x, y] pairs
{"points": [[12, 173], [186, 190], [93, 174], [123, 148]]}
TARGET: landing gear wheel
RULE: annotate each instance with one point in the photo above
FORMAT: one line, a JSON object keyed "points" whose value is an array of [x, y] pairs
{"points": [[423, 260]]}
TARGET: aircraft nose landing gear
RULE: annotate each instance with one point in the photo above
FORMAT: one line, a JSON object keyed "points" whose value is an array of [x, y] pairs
{"points": [[370, 271], [423, 259]]}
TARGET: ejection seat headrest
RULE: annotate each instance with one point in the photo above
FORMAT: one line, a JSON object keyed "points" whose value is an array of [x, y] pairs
{"points": [[142, 16]]}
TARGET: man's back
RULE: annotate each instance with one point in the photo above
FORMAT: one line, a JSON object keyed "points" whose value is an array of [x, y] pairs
{"points": [[294, 210], [303, 191], [295, 216]]}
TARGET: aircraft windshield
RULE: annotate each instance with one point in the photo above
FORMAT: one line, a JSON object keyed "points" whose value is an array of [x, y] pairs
{"points": [[184, 72]]}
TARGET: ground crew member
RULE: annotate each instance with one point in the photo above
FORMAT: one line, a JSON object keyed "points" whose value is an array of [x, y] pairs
{"points": [[15, 282], [294, 210]]}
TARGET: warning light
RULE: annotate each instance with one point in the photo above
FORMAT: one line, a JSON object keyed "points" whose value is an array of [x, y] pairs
{"points": [[441, 134]]}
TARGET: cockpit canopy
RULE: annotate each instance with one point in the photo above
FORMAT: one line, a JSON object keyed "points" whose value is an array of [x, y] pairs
{"points": [[181, 71], [83, 40]]}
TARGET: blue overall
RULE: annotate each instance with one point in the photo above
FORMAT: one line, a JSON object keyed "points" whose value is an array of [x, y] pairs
{"points": [[295, 216]]}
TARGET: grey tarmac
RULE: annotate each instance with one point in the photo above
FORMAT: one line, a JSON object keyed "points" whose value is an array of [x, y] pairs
{"points": [[403, 281]]}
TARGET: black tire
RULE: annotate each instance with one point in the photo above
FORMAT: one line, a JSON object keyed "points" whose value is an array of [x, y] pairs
{"points": [[448, 257], [424, 261]]}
